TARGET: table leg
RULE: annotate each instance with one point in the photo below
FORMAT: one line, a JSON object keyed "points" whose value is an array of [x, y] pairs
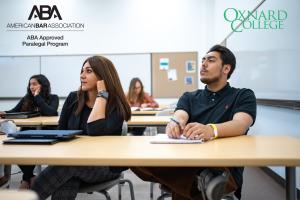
{"points": [[290, 174]]}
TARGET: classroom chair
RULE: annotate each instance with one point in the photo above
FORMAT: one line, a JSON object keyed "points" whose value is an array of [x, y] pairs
{"points": [[5, 179], [103, 187]]}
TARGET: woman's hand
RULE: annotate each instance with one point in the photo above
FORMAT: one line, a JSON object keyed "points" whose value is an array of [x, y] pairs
{"points": [[101, 86], [144, 105], [37, 91]]}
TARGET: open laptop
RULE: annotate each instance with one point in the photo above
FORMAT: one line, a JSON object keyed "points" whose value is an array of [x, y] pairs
{"points": [[20, 115], [41, 136]]}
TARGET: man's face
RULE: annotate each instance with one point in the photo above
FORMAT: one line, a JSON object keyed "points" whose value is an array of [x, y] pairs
{"points": [[211, 68]]}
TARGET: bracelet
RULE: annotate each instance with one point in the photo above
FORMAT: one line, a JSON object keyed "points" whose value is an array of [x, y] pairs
{"points": [[214, 127], [175, 120]]}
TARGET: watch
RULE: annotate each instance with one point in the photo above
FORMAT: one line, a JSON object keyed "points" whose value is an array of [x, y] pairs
{"points": [[104, 94]]}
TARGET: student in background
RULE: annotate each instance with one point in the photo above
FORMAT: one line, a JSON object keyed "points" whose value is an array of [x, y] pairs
{"points": [[137, 97], [98, 108], [38, 98]]}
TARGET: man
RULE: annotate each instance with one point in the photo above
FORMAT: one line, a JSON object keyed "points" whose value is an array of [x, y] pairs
{"points": [[218, 111]]}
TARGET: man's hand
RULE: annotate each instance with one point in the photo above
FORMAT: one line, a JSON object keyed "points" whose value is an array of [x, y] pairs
{"points": [[174, 130], [196, 131]]}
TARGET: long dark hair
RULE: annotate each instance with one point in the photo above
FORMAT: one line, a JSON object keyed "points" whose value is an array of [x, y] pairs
{"points": [[45, 93], [105, 70], [132, 97]]}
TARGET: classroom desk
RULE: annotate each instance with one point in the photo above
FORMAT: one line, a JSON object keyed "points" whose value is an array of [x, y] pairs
{"points": [[143, 121], [144, 112], [136, 121], [149, 112], [137, 151], [17, 194]]}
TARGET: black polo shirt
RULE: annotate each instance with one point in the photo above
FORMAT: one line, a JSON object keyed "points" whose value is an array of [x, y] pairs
{"points": [[206, 107]]}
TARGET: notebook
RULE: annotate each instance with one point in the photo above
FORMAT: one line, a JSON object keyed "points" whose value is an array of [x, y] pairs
{"points": [[20, 115], [164, 139], [41, 136]]}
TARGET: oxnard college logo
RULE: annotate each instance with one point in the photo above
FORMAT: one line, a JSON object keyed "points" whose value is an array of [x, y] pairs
{"points": [[245, 19], [44, 12]]}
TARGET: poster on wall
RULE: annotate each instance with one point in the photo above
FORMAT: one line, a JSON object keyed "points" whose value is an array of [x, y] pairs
{"points": [[190, 66], [172, 75], [164, 63], [188, 80]]}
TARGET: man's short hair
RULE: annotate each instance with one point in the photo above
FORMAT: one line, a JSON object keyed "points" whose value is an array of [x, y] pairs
{"points": [[227, 57]]}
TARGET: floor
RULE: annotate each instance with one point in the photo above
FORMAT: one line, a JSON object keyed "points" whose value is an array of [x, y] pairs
{"points": [[257, 185]]}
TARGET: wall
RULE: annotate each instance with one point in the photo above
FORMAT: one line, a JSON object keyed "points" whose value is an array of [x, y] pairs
{"points": [[111, 27]]}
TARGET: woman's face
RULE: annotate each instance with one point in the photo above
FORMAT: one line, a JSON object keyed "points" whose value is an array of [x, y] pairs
{"points": [[137, 88], [34, 85], [88, 78]]}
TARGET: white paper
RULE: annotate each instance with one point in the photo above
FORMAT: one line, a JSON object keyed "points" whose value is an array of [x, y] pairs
{"points": [[164, 139], [172, 75]]}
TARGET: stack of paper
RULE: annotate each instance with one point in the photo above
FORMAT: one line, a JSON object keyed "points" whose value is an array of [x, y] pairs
{"points": [[164, 139]]}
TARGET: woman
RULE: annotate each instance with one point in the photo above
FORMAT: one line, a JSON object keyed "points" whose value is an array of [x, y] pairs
{"points": [[98, 108], [38, 98], [137, 97]]}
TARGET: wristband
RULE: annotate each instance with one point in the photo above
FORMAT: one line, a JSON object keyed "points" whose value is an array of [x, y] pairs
{"points": [[214, 127]]}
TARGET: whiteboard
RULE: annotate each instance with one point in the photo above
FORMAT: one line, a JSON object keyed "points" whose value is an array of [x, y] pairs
{"points": [[15, 73], [64, 71], [268, 60], [133, 65]]}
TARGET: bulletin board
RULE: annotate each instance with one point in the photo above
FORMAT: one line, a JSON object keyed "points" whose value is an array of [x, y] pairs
{"points": [[174, 73]]}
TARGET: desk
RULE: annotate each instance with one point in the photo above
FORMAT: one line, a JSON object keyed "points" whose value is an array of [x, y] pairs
{"points": [[137, 151], [18, 195], [143, 121], [135, 121], [144, 112]]}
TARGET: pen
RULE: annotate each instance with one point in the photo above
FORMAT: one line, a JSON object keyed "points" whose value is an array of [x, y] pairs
{"points": [[176, 121]]}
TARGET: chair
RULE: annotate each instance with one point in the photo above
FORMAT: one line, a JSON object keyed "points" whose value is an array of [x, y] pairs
{"points": [[165, 192], [103, 187], [5, 179]]}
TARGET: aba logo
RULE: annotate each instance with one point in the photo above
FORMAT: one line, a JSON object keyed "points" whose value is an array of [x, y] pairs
{"points": [[44, 12]]}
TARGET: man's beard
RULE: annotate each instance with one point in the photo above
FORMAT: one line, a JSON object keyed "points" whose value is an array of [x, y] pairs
{"points": [[208, 81]]}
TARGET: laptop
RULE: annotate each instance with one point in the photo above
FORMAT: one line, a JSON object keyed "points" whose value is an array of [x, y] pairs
{"points": [[41, 136], [30, 141], [20, 115]]}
